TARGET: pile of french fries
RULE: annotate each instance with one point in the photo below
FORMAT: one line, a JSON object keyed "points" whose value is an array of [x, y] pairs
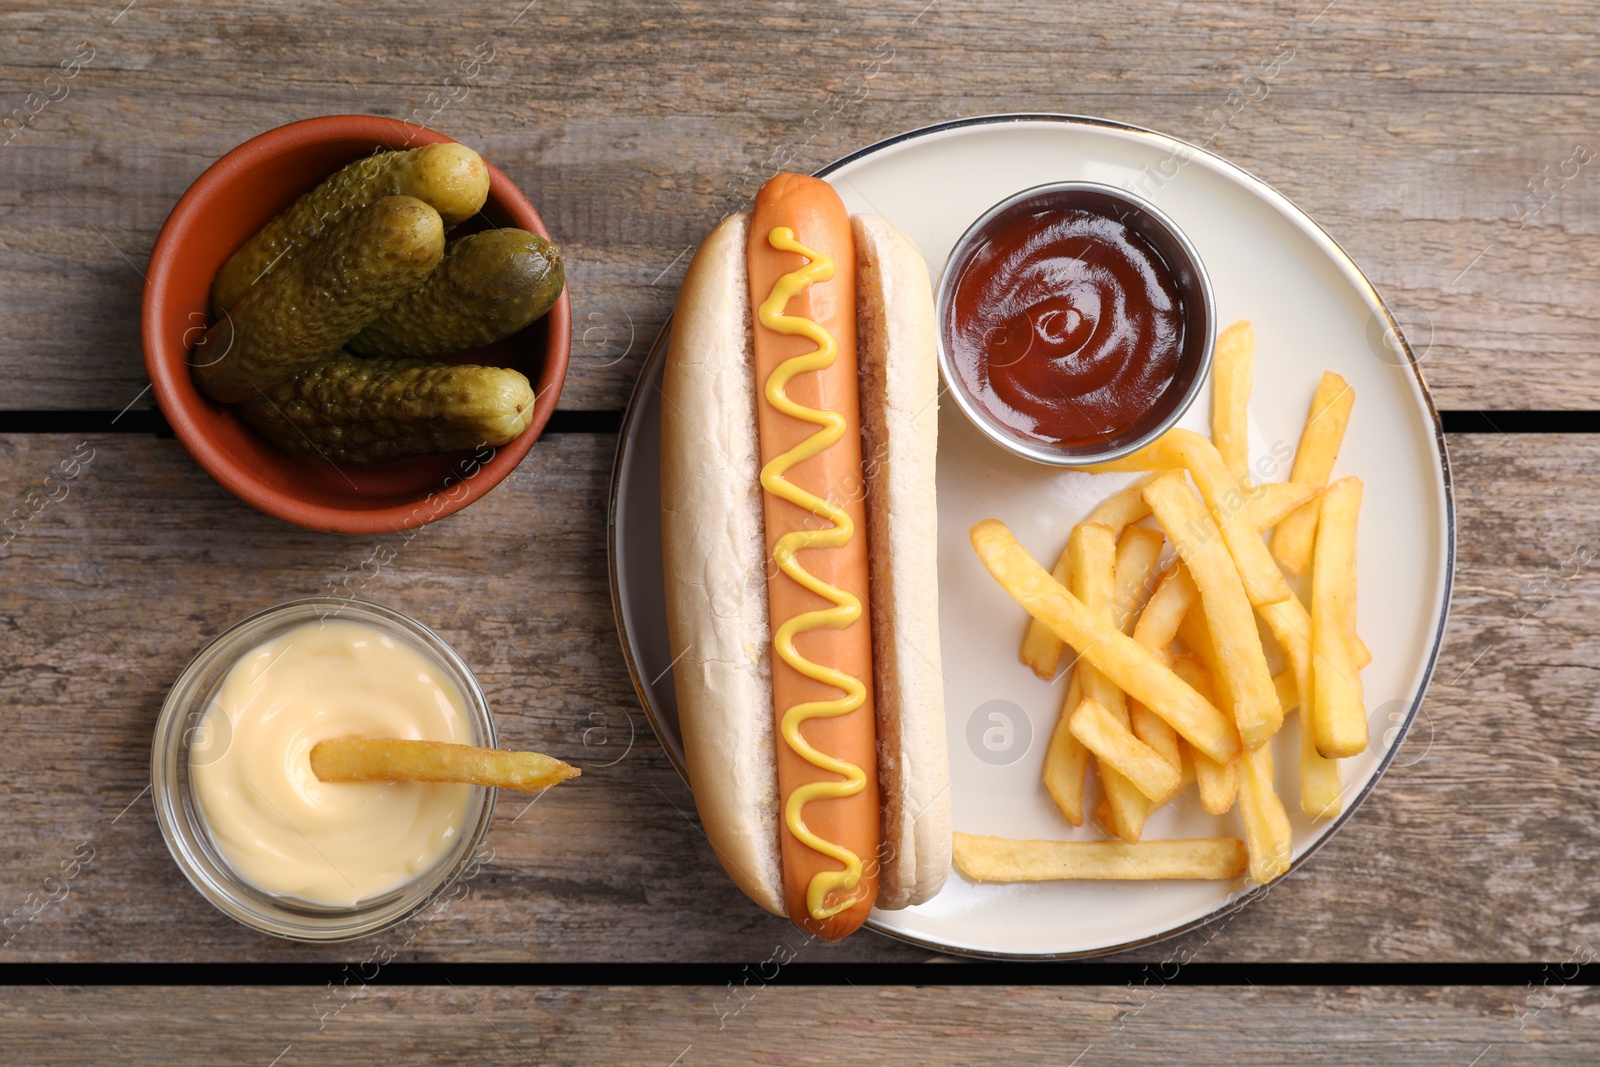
{"points": [[1171, 684]]}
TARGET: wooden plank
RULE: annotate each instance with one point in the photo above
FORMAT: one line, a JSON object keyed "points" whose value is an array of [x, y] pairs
{"points": [[1480, 844], [1115, 1027], [1423, 139]]}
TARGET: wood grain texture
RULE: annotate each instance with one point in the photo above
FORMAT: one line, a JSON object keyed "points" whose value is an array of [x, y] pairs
{"points": [[1480, 844], [1422, 138], [678, 1027]]}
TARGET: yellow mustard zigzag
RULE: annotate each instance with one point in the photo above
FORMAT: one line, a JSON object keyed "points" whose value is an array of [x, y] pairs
{"points": [[846, 609]]}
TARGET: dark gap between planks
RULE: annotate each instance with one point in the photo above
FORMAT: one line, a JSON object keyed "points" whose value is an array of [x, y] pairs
{"points": [[716, 975]]}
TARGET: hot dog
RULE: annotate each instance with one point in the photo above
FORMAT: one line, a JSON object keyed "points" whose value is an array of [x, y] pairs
{"points": [[798, 434]]}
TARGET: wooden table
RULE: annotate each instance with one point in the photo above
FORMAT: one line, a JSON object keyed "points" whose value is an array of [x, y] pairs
{"points": [[1452, 153]]}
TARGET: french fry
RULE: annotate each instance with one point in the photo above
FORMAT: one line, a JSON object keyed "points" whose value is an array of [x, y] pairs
{"points": [[1196, 636], [1163, 613], [1230, 395], [1266, 825], [1153, 730], [1185, 774], [1119, 657], [1358, 649], [1288, 692], [1340, 716], [1321, 795], [1218, 782], [1102, 815], [1066, 761], [1155, 629], [1242, 678], [1185, 449], [1138, 552], [1041, 649], [1359, 652], [999, 859], [1124, 507], [1313, 463], [1270, 502], [1092, 550], [354, 759], [1321, 792], [1115, 746]]}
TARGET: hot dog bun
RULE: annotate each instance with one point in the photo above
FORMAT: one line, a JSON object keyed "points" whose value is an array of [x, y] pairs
{"points": [[900, 430], [716, 563]]}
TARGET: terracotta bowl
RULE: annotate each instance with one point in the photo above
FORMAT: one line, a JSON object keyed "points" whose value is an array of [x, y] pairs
{"points": [[227, 204]]}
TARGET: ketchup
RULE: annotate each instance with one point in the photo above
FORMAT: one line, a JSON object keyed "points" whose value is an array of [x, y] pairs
{"points": [[1067, 326]]}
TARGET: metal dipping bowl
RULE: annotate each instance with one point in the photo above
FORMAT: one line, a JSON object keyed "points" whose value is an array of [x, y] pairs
{"points": [[1194, 290]]}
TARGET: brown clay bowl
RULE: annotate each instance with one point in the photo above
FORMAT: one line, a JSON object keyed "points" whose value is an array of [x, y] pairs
{"points": [[233, 199]]}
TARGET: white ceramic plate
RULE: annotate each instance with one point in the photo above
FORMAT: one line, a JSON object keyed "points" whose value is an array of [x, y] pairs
{"points": [[1312, 310]]}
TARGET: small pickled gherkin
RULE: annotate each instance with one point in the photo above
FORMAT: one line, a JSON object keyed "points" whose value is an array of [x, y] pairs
{"points": [[451, 178], [364, 410], [308, 308], [488, 286]]}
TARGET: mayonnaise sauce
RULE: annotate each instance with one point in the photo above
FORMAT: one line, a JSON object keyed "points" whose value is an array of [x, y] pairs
{"points": [[280, 827]]}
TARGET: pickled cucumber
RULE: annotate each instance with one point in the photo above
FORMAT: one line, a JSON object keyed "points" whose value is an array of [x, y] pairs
{"points": [[488, 286], [308, 308], [451, 178], [361, 410]]}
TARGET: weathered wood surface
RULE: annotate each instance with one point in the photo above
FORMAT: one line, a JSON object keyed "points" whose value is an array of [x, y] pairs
{"points": [[1480, 844], [1451, 149], [677, 1027]]}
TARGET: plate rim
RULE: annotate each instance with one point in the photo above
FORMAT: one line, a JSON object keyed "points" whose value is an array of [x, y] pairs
{"points": [[1331, 248]]}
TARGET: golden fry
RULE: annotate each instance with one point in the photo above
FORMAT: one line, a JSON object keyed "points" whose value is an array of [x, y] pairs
{"points": [[1155, 629], [1102, 815], [1138, 552], [1093, 551], [1066, 761], [1153, 730], [1358, 650], [1159, 621], [1185, 773], [1288, 693], [1185, 449], [1218, 782], [1115, 746], [1230, 395], [1266, 825], [1320, 792], [1271, 502], [353, 759], [1129, 665], [1243, 680], [1313, 463], [998, 859], [1124, 507], [1041, 649], [1196, 636], [1340, 715]]}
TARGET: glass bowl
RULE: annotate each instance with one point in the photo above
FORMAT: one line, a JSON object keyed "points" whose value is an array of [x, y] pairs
{"points": [[183, 823]]}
